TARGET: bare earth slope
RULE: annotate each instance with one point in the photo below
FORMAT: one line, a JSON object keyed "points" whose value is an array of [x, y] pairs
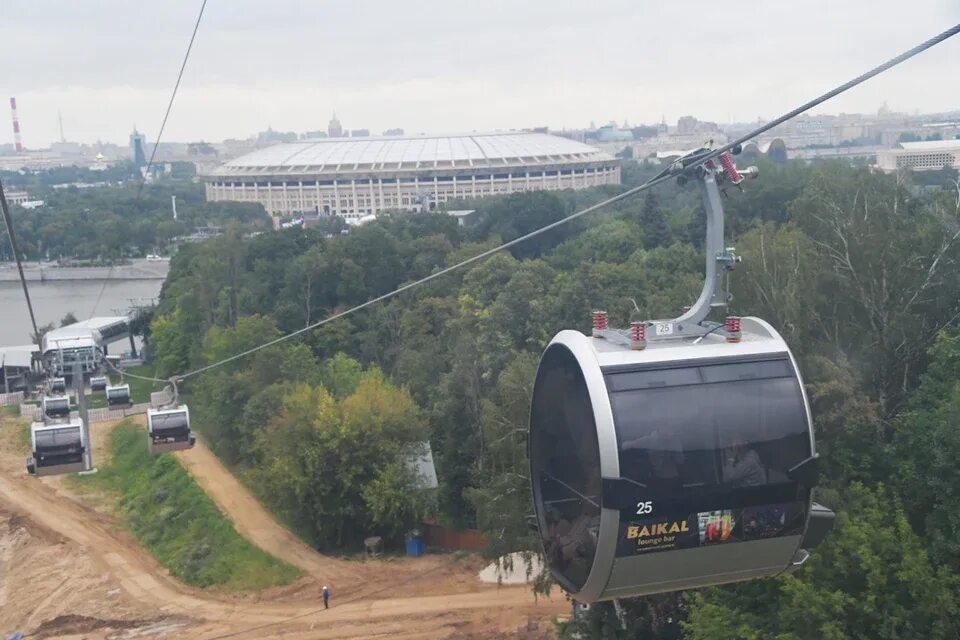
{"points": [[67, 569]]}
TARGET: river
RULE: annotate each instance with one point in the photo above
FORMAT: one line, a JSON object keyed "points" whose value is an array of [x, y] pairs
{"points": [[53, 300]]}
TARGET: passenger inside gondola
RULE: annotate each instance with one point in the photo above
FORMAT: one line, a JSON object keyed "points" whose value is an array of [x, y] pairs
{"points": [[742, 466], [568, 468]]}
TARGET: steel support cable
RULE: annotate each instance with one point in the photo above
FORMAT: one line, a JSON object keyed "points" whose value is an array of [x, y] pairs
{"points": [[658, 179], [889, 64], [434, 276], [173, 95], [8, 221], [156, 144]]}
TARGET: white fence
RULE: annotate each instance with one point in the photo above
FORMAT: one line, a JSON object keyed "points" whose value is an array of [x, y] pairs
{"points": [[31, 411], [106, 413], [94, 415], [10, 399]]}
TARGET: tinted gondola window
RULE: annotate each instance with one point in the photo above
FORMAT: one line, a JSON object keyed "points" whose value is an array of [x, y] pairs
{"points": [[58, 438], [735, 424], [169, 421], [565, 463]]}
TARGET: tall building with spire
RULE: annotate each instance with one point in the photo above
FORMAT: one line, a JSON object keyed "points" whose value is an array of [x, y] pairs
{"points": [[334, 129], [138, 144]]}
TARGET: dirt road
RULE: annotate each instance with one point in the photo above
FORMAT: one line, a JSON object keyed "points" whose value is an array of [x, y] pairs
{"points": [[83, 570]]}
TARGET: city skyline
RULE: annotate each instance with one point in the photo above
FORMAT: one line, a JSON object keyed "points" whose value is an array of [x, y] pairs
{"points": [[436, 68]]}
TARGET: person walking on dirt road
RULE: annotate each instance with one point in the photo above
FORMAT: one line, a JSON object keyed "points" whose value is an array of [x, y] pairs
{"points": [[326, 597]]}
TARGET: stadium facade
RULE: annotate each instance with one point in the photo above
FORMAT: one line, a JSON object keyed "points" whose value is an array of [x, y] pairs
{"points": [[358, 177], [928, 155]]}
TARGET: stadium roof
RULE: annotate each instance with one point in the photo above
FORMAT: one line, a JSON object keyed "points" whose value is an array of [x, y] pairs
{"points": [[931, 145], [413, 152]]}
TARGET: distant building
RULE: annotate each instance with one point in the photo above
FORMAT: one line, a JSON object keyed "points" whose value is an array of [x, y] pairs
{"points": [[393, 132], [929, 155], [17, 197], [313, 135], [335, 129], [687, 124], [138, 145], [268, 137], [360, 133], [609, 133], [356, 178]]}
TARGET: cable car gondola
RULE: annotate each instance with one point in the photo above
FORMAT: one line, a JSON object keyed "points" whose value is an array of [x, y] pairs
{"points": [[674, 461], [56, 407], [169, 429], [58, 385], [57, 448], [99, 383], [118, 395]]}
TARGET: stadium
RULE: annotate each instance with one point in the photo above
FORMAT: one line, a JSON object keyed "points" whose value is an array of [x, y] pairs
{"points": [[358, 177]]}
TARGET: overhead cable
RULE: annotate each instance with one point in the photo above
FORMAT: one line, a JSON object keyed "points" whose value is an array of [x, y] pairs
{"points": [[156, 144], [660, 178], [173, 95]]}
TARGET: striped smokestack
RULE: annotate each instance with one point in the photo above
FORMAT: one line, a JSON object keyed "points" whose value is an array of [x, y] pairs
{"points": [[16, 126]]}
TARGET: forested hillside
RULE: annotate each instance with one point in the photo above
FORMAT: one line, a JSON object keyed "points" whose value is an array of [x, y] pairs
{"points": [[110, 222], [859, 271]]}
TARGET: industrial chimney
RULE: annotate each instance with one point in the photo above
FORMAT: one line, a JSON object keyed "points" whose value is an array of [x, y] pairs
{"points": [[16, 126]]}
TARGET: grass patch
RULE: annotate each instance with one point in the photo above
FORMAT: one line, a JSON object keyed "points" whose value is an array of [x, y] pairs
{"points": [[178, 523], [97, 400], [11, 411], [24, 441], [140, 390]]}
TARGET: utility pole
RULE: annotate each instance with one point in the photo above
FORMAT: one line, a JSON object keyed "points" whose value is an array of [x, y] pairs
{"points": [[84, 418]]}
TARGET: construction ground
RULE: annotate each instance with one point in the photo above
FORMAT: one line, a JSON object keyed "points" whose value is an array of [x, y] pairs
{"points": [[68, 569]]}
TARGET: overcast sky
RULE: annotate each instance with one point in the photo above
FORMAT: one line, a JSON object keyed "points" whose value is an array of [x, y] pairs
{"points": [[449, 65]]}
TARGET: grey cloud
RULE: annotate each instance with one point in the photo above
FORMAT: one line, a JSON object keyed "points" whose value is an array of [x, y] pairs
{"points": [[551, 62]]}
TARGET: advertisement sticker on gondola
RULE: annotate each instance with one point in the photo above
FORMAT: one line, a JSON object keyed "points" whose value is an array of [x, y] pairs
{"points": [[710, 528], [657, 534]]}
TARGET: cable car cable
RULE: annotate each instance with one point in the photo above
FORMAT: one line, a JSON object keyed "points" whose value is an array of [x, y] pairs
{"points": [[8, 221], [889, 64], [173, 95], [156, 144], [656, 180], [433, 276]]}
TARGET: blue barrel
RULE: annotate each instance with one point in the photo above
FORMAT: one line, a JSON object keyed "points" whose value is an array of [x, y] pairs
{"points": [[416, 547]]}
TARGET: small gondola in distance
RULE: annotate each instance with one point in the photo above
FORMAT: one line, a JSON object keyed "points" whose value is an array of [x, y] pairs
{"points": [[56, 448], [118, 395], [56, 407], [168, 429]]}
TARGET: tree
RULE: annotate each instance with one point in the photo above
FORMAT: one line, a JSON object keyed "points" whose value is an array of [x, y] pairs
{"points": [[68, 319], [502, 496], [892, 262], [870, 579], [328, 466], [656, 231], [37, 337], [780, 280], [925, 448]]}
